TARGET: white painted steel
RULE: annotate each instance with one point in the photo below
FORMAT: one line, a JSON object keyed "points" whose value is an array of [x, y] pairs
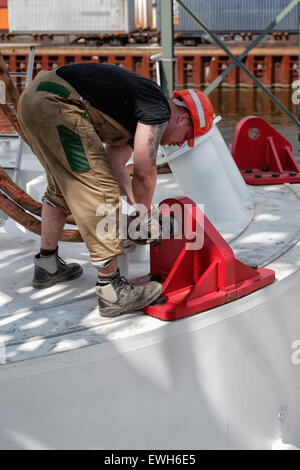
{"points": [[64, 317], [232, 170], [81, 16], [36, 187], [208, 175], [135, 262], [225, 379]]}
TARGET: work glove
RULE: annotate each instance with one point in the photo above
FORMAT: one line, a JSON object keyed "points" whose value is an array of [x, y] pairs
{"points": [[151, 228]]}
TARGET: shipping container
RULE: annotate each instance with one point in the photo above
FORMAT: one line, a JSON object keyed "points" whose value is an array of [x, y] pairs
{"points": [[233, 16], [115, 22], [143, 14], [3, 3], [71, 16], [3, 19]]}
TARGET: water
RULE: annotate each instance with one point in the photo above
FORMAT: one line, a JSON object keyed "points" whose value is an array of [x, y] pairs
{"points": [[235, 103]]}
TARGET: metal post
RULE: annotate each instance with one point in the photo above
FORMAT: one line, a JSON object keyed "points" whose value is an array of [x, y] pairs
{"points": [[167, 44], [20, 149], [156, 58]]}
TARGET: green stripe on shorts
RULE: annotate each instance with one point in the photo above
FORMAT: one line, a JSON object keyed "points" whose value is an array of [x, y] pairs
{"points": [[74, 149], [55, 88]]}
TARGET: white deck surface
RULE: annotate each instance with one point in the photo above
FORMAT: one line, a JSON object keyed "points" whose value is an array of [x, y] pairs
{"points": [[224, 379], [65, 317]]}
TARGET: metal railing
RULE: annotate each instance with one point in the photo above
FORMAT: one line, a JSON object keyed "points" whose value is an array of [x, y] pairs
{"points": [[28, 75], [237, 61], [168, 54]]}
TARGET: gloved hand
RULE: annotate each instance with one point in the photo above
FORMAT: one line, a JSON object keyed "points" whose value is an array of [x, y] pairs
{"points": [[151, 228]]}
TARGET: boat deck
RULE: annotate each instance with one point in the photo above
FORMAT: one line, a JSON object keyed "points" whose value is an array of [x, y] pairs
{"points": [[65, 317]]}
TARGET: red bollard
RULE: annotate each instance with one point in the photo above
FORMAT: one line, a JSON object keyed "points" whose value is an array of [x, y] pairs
{"points": [[262, 155], [199, 279]]}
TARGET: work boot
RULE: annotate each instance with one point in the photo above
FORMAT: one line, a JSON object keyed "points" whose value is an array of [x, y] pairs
{"points": [[48, 270], [119, 296]]}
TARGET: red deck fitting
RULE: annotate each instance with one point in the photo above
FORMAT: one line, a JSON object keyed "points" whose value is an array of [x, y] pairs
{"points": [[262, 155], [202, 278]]}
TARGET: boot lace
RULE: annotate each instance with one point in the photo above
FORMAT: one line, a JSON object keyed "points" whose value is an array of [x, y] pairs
{"points": [[121, 280]]}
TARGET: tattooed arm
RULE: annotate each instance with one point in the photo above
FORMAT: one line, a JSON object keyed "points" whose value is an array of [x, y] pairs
{"points": [[146, 142]]}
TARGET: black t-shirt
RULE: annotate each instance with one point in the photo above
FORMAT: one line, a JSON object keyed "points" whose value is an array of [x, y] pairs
{"points": [[123, 95]]}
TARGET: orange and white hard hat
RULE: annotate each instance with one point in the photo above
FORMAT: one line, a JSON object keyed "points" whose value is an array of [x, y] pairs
{"points": [[200, 109]]}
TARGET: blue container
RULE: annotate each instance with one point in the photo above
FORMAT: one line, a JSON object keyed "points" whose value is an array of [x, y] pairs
{"points": [[233, 16]]}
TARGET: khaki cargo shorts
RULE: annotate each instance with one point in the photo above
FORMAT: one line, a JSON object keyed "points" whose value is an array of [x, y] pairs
{"points": [[57, 123]]}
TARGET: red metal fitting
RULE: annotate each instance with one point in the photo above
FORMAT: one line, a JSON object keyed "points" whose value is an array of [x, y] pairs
{"points": [[262, 155], [199, 279]]}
